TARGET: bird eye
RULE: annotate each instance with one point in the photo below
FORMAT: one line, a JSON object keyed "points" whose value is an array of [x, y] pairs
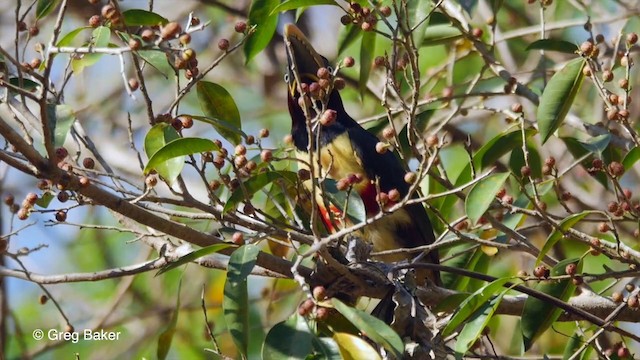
{"points": [[330, 69], [286, 78]]}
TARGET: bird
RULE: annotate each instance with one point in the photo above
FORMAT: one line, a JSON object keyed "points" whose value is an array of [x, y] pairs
{"points": [[348, 151]]}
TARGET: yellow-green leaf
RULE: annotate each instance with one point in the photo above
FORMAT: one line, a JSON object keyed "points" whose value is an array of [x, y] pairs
{"points": [[176, 149], [482, 195], [354, 348], [260, 15], [236, 303], [538, 315], [558, 97], [556, 235], [216, 102], [376, 329]]}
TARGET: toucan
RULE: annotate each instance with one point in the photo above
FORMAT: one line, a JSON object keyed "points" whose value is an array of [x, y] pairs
{"points": [[347, 150]]}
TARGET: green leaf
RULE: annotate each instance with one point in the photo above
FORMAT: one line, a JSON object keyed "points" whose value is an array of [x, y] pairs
{"points": [[27, 84], [500, 145], [354, 348], [482, 195], [216, 102], [266, 24], [557, 234], [99, 39], [597, 144], [254, 184], [220, 124], [376, 329], [44, 200], [157, 137], [45, 7], [553, 45], [418, 13], [367, 49], [558, 97], [236, 299], [67, 40], [194, 255], [61, 118], [477, 323], [139, 17], [572, 346], [578, 150], [516, 162], [166, 337], [295, 4], [163, 161], [298, 344], [474, 302], [631, 158], [158, 60], [440, 34], [347, 36], [538, 315]]}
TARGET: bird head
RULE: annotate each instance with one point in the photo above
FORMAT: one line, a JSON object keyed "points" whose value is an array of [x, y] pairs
{"points": [[303, 63]]}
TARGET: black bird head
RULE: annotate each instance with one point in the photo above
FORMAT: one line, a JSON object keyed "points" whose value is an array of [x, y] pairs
{"points": [[303, 65]]}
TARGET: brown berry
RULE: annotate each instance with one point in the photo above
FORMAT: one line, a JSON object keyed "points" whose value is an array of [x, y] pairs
{"points": [[63, 196], [339, 83], [328, 117], [151, 180], [146, 35], [323, 73], [346, 19], [240, 149], [394, 195], [617, 297], [322, 313], [477, 33], [616, 169], [306, 307], [264, 133], [304, 174], [9, 199], [223, 44], [23, 213], [185, 39], [22, 26], [378, 61], [288, 139], [348, 62], [35, 63], [250, 140], [388, 133], [507, 199], [410, 177], [623, 352], [266, 155], [550, 161], [43, 299], [214, 185], [61, 215], [597, 164], [108, 11], [319, 293], [170, 31], [525, 171], [540, 271], [577, 280], [381, 147], [607, 75], [366, 26], [61, 153], [240, 27], [571, 269], [238, 238], [586, 48], [240, 160], [31, 198], [516, 107], [624, 84], [34, 31], [385, 11], [133, 84], [94, 21], [84, 181], [432, 141], [603, 227], [632, 302]]}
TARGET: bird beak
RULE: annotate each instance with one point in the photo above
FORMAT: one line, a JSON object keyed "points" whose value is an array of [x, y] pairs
{"points": [[303, 60]]}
